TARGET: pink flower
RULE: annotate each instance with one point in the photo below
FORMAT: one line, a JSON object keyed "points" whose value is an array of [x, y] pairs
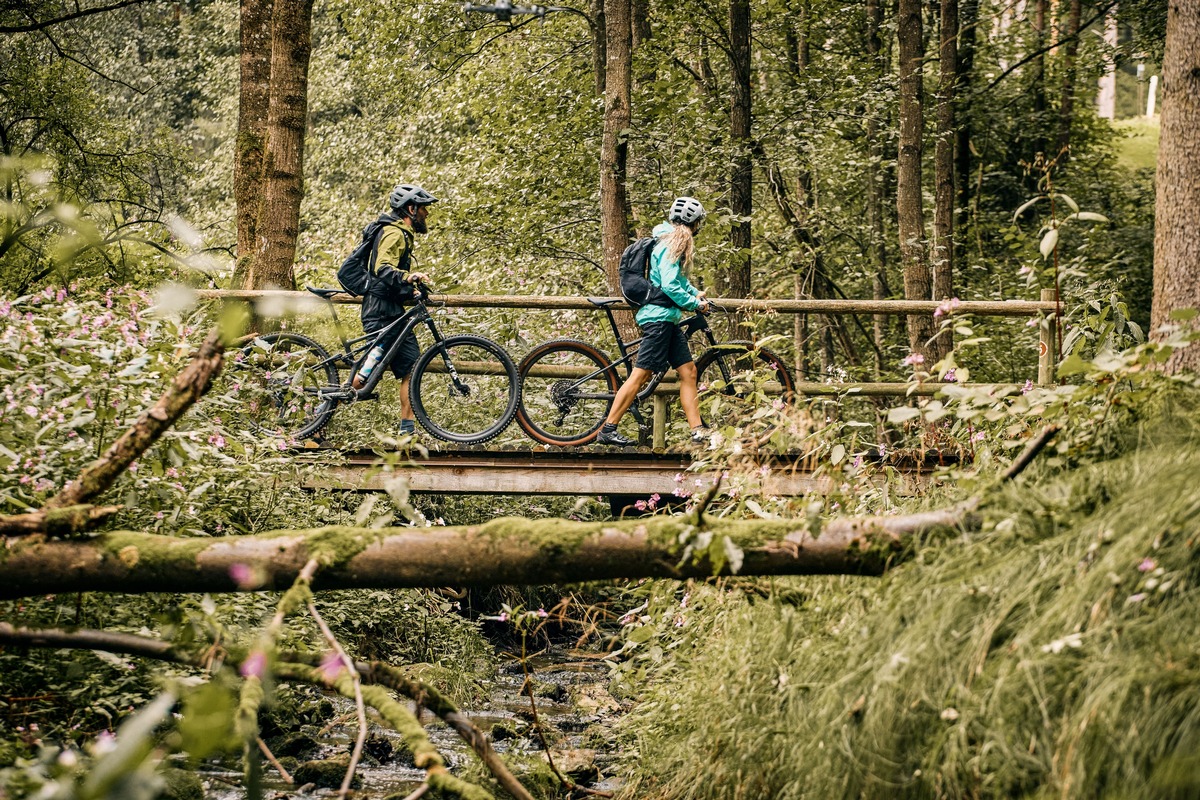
{"points": [[1028, 387], [217, 440], [1147, 565], [946, 306], [245, 576], [541, 613], [255, 665], [913, 359], [949, 376], [332, 666]]}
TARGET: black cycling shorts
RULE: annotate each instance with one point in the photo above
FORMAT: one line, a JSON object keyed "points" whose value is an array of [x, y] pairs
{"points": [[406, 356], [663, 344]]}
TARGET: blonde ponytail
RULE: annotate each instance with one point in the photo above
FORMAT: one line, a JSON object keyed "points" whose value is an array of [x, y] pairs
{"points": [[681, 245]]}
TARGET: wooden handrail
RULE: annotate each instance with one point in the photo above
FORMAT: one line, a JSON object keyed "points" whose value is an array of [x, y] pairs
{"points": [[986, 308]]}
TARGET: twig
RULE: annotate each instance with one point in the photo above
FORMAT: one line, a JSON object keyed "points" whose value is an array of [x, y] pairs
{"points": [[702, 505], [56, 522], [266, 751], [418, 792], [1035, 446], [359, 708]]}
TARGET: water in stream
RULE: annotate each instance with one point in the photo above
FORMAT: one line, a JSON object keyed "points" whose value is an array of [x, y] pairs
{"points": [[574, 709]]}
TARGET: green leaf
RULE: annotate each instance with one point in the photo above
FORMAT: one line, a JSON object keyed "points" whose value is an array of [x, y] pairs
{"points": [[1073, 365], [1183, 314], [207, 723], [902, 414], [1049, 242], [1025, 207], [837, 454]]}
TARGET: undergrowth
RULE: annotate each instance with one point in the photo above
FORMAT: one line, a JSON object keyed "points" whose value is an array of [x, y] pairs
{"points": [[1051, 654]]}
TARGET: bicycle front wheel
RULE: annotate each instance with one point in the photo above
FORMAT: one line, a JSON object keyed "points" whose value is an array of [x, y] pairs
{"points": [[277, 379], [567, 388], [464, 389], [739, 386]]}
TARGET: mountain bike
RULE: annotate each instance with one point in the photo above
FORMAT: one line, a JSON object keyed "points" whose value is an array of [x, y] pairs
{"points": [[568, 385], [464, 388]]}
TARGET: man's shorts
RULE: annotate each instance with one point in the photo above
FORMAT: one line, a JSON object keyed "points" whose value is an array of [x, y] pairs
{"points": [[663, 344], [406, 356]]}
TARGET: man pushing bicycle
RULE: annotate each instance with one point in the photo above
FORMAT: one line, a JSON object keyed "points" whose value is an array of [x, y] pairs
{"points": [[392, 285]]}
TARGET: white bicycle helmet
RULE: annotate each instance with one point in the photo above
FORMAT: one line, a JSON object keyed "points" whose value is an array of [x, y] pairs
{"points": [[686, 210], [406, 193]]}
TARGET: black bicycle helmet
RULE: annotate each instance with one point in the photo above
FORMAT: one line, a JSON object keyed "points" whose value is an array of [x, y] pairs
{"points": [[686, 210], [407, 193]]}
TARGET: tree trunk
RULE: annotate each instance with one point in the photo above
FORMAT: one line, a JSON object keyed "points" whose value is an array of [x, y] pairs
{"points": [[614, 150], [1066, 108], [255, 83], [962, 137], [1038, 80], [506, 551], [741, 172], [909, 208], [1177, 204], [599, 48], [278, 224], [943, 171], [877, 242]]}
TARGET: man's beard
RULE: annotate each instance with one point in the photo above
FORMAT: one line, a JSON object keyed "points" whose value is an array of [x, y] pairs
{"points": [[419, 226]]}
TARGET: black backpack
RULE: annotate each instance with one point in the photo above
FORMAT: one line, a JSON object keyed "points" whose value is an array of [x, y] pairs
{"points": [[356, 271], [636, 287]]}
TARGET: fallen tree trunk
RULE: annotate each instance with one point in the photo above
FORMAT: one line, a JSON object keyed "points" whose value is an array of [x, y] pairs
{"points": [[507, 551]]}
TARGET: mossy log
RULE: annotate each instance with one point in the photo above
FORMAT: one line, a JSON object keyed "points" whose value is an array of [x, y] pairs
{"points": [[506, 551]]}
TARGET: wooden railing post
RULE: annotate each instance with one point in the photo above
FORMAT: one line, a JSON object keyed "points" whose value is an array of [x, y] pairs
{"points": [[1047, 336], [660, 421]]}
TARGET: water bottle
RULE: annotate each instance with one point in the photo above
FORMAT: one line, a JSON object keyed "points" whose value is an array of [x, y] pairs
{"points": [[373, 358]]}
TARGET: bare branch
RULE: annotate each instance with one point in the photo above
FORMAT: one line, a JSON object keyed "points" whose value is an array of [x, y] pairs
{"points": [[38, 25]]}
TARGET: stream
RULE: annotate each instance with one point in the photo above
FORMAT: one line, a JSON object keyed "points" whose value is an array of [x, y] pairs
{"points": [[574, 708]]}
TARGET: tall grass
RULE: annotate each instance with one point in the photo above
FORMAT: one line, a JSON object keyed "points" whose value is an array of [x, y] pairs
{"points": [[1053, 655]]}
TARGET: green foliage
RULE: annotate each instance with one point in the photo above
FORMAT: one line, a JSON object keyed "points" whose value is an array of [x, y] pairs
{"points": [[1050, 654]]}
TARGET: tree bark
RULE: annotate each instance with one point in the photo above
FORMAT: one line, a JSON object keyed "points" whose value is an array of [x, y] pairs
{"points": [[1038, 79], [253, 99], [737, 281], [909, 207], [943, 171], [969, 16], [877, 241], [599, 46], [614, 149], [278, 225], [1177, 204], [1066, 107], [507, 551]]}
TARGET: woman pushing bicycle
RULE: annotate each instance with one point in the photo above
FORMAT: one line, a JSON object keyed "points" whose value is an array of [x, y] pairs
{"points": [[664, 342]]}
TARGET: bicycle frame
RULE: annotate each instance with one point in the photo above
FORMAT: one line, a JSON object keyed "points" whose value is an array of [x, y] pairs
{"points": [[628, 350], [354, 351]]}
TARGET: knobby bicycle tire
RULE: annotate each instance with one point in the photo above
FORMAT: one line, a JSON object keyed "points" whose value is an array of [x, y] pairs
{"points": [[553, 409], [476, 403], [277, 378], [752, 378]]}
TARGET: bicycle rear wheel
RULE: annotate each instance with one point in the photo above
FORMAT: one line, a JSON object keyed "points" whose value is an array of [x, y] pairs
{"points": [[560, 405], [465, 389], [740, 384], [277, 380]]}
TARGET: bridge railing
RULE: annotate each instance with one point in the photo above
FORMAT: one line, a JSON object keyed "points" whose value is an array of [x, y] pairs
{"points": [[1046, 309]]}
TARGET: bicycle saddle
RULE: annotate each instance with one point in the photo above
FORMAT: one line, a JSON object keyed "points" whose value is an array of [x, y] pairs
{"points": [[604, 302], [324, 294]]}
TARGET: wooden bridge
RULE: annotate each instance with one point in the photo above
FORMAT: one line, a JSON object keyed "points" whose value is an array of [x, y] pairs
{"points": [[583, 471], [586, 471]]}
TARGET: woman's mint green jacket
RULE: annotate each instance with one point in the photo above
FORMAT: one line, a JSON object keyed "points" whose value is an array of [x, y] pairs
{"points": [[668, 275]]}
